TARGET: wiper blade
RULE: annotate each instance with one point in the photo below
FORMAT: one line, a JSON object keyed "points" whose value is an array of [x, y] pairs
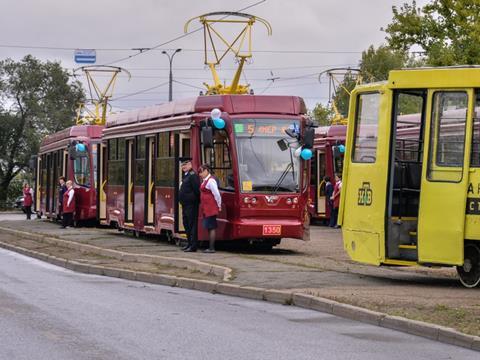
{"points": [[282, 177]]}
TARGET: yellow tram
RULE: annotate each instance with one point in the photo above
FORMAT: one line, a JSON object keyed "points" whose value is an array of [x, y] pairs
{"points": [[411, 184]]}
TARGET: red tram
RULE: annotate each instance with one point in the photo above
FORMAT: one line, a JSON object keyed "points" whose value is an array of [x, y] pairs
{"points": [[327, 161], [264, 189], [72, 153]]}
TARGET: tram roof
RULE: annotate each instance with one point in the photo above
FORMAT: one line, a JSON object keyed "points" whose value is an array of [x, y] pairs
{"points": [[435, 77], [86, 131], [232, 104]]}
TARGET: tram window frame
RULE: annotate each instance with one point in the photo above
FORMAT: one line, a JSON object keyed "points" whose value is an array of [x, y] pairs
{"points": [[164, 161], [363, 159], [224, 173], [116, 164], [475, 150], [435, 128], [139, 163]]}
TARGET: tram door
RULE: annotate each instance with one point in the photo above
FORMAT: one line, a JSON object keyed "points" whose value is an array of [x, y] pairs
{"points": [[139, 180], [183, 152], [150, 188], [129, 183], [445, 177], [102, 181], [365, 180], [321, 201]]}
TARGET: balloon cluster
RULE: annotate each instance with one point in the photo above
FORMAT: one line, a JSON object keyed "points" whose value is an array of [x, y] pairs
{"points": [[218, 122], [304, 153]]}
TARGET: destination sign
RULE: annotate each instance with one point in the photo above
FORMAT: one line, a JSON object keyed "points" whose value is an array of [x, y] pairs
{"points": [[264, 128]]}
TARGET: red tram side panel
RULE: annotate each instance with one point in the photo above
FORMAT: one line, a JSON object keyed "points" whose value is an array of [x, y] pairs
{"points": [[264, 189], [55, 160], [326, 161]]}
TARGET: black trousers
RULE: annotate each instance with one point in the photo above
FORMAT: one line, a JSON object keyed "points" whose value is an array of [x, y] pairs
{"points": [[67, 219], [190, 222], [28, 211]]}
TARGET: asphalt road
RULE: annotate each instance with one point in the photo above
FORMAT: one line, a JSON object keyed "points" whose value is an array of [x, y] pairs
{"points": [[51, 313]]}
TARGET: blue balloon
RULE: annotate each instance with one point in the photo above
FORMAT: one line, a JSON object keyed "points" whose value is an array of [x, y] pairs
{"points": [[341, 148], [219, 123], [306, 154], [80, 147]]}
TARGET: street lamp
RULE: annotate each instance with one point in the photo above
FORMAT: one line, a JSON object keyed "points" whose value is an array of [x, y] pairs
{"points": [[170, 59]]}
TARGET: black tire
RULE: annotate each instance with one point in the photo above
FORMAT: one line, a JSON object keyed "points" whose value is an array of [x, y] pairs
{"points": [[469, 272]]}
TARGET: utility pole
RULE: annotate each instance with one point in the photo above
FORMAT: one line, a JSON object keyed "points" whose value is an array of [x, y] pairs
{"points": [[170, 59]]}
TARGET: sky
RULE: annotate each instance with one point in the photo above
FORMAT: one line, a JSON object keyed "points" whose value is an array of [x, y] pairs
{"points": [[309, 36]]}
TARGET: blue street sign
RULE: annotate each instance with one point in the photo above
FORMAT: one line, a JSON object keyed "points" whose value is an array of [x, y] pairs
{"points": [[85, 56]]}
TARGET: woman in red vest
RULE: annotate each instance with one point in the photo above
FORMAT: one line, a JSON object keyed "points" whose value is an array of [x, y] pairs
{"points": [[27, 200], [68, 205], [210, 204]]}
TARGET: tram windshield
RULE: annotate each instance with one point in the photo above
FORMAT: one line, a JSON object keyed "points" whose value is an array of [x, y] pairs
{"points": [[262, 166]]}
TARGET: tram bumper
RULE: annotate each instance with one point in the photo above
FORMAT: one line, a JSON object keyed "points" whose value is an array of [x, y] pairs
{"points": [[264, 228]]}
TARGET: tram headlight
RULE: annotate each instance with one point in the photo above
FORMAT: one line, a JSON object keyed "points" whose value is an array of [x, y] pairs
{"points": [[246, 200], [254, 200], [295, 200], [289, 201]]}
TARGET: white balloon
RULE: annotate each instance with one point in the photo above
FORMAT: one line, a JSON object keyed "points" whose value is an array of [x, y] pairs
{"points": [[215, 114], [297, 152]]}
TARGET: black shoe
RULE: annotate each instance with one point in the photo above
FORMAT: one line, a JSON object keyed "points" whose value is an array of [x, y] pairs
{"points": [[185, 247], [190, 250], [209, 251]]}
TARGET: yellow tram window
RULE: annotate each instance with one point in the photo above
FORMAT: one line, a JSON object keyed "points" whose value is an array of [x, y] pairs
{"points": [[366, 128]]}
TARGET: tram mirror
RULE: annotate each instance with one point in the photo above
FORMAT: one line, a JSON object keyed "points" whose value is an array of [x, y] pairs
{"points": [[32, 162], [291, 133], [308, 137], [282, 144], [207, 137]]}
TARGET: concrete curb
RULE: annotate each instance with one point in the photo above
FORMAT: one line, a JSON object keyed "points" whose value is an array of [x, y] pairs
{"points": [[286, 297], [189, 264]]}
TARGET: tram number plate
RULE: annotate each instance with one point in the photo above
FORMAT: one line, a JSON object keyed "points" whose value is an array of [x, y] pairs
{"points": [[272, 230]]}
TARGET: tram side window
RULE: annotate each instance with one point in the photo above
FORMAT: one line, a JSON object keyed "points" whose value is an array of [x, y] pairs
{"points": [[475, 153], [165, 162], [447, 135], [140, 161], [43, 177], [219, 160], [366, 128], [116, 162]]}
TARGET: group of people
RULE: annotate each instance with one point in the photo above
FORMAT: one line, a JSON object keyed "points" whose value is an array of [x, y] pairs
{"points": [[66, 201], [199, 195], [332, 192]]}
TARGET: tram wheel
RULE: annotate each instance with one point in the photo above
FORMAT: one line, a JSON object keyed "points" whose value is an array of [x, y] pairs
{"points": [[469, 273]]}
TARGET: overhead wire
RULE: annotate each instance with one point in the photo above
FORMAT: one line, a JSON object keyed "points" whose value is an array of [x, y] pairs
{"points": [[143, 51]]}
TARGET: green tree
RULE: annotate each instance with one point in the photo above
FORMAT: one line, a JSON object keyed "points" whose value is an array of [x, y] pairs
{"points": [[36, 99], [322, 114], [377, 63], [447, 31]]}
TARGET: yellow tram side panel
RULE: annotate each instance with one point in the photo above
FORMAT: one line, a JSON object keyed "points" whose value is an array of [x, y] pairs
{"points": [[363, 226]]}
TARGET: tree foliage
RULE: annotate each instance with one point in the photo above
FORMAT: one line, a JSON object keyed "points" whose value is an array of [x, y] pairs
{"points": [[36, 99], [322, 114], [447, 31]]}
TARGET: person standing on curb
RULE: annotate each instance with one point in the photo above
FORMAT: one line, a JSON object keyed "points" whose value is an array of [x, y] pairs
{"points": [[27, 200], [210, 204], [328, 195], [336, 198], [189, 196], [62, 188], [68, 205]]}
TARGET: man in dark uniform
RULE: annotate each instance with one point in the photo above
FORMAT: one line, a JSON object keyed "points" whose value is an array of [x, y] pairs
{"points": [[189, 196]]}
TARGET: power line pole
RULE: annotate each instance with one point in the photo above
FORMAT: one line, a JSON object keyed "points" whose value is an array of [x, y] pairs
{"points": [[170, 59]]}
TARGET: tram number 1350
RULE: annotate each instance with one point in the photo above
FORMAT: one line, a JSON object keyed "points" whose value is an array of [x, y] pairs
{"points": [[272, 230]]}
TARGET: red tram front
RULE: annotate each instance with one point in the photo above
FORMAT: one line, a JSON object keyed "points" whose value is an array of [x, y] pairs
{"points": [[74, 154], [263, 182]]}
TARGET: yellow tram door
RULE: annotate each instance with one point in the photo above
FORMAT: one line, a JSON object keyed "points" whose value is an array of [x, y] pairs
{"points": [[445, 175], [363, 195]]}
